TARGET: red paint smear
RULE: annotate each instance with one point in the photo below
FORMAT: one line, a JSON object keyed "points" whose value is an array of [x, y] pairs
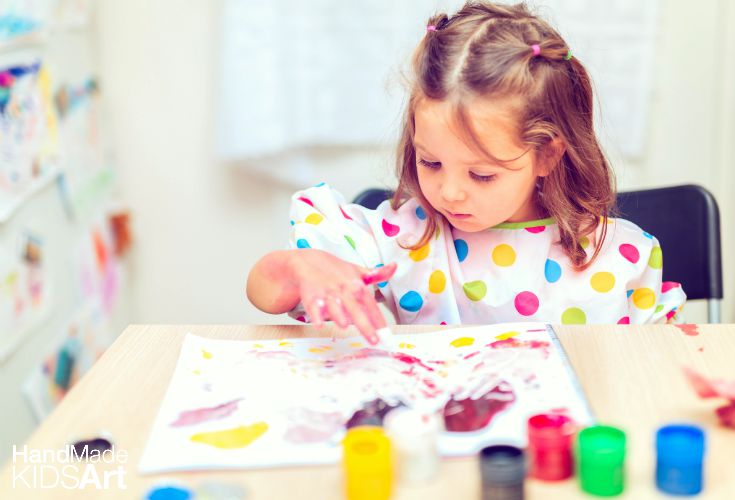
{"points": [[726, 414], [306, 200], [467, 415], [191, 417], [378, 353], [514, 342], [472, 354], [688, 329]]}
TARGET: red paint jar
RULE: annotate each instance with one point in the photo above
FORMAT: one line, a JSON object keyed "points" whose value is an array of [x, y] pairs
{"points": [[550, 446]]}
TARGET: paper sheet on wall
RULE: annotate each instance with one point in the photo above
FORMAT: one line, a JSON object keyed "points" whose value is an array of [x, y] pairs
{"points": [[252, 404]]}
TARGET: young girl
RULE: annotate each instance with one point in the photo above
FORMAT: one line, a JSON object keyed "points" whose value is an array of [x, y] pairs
{"points": [[501, 211]]}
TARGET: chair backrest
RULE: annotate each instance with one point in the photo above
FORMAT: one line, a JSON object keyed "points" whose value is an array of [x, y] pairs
{"points": [[685, 220]]}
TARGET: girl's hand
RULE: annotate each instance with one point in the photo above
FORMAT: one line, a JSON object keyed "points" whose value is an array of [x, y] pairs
{"points": [[331, 288]]}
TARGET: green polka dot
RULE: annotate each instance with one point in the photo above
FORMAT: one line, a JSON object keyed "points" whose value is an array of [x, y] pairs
{"points": [[351, 242], [656, 260], [574, 316], [475, 290], [659, 308]]}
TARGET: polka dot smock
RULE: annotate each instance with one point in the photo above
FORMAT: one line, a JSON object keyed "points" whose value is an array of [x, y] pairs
{"points": [[510, 272]]}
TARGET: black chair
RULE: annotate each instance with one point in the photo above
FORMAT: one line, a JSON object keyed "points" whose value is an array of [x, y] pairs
{"points": [[684, 219]]}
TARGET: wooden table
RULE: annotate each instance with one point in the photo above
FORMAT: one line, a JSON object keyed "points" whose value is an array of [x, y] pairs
{"points": [[631, 375]]}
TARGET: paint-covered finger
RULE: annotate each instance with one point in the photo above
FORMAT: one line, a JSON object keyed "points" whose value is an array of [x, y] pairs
{"points": [[379, 274], [370, 306]]}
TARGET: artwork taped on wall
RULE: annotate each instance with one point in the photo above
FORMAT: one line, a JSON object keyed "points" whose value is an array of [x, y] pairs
{"points": [[252, 404]]}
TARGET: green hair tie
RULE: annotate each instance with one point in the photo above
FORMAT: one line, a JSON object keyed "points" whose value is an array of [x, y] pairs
{"points": [[569, 55]]}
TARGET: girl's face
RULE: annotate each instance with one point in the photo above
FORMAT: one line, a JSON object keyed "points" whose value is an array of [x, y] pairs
{"points": [[471, 191]]}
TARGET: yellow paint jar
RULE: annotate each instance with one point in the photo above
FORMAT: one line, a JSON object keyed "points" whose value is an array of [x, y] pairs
{"points": [[367, 463]]}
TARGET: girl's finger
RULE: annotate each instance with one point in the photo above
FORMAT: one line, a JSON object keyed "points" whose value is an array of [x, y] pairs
{"points": [[367, 299], [337, 312], [359, 317], [314, 308], [379, 274]]}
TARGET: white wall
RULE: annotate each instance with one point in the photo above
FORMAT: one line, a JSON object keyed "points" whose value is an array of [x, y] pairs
{"points": [[200, 225]]}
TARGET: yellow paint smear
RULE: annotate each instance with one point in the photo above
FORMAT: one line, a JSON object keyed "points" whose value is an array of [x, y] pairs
{"points": [[206, 354], [462, 342], [238, 437]]}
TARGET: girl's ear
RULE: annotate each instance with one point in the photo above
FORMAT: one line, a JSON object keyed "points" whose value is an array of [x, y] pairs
{"points": [[550, 156]]}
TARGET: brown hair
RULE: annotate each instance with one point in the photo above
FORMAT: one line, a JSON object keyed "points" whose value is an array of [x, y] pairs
{"points": [[485, 50]]}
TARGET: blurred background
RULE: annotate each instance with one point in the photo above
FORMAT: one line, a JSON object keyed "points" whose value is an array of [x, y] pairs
{"points": [[149, 148]]}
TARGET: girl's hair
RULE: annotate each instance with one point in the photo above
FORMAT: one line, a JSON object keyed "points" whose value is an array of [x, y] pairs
{"points": [[487, 50]]}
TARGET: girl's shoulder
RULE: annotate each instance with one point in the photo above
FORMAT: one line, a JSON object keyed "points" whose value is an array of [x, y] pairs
{"points": [[626, 237]]}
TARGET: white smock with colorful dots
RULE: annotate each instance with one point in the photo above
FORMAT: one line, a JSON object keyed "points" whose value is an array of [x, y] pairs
{"points": [[508, 273]]}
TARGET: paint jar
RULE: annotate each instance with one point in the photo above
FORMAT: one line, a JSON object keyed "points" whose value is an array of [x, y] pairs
{"points": [[680, 452], [601, 460], [413, 437], [550, 446], [367, 463], [503, 470]]}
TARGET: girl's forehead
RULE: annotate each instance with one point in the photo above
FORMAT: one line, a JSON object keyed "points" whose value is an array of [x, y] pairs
{"points": [[439, 126]]}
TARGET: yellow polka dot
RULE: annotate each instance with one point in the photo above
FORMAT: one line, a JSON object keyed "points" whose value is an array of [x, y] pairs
{"points": [[462, 342], [437, 233], [584, 242], [420, 253], [602, 282], [573, 316], [437, 282], [507, 335], [314, 219], [504, 255], [656, 260], [644, 298], [206, 354]]}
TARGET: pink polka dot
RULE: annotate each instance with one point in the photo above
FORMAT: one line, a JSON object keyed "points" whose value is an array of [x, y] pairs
{"points": [[343, 213], [526, 303], [625, 320], [670, 314], [629, 252], [536, 229], [301, 318], [668, 285], [443, 323], [390, 229], [306, 200]]}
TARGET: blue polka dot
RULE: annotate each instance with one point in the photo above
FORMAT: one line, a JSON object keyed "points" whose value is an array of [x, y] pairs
{"points": [[647, 235], [292, 222], [460, 246], [420, 213], [320, 184], [411, 301], [552, 271], [383, 283], [302, 243], [629, 293]]}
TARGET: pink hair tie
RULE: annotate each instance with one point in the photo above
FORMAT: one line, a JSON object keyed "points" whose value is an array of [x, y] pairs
{"points": [[536, 49], [431, 27]]}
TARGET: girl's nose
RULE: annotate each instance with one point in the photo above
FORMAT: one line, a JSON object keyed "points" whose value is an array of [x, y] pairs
{"points": [[452, 191]]}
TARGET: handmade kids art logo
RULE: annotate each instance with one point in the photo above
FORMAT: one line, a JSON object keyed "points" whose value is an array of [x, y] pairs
{"points": [[71, 468]]}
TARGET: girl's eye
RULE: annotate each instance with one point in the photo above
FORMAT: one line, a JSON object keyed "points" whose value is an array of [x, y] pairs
{"points": [[430, 164], [483, 178]]}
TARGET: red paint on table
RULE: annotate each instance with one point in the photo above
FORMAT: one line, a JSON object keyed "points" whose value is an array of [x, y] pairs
{"points": [[467, 415], [196, 416]]}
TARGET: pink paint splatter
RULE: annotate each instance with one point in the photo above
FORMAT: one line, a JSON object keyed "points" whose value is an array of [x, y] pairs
{"points": [[312, 426], [472, 355], [191, 417], [715, 388], [688, 329]]}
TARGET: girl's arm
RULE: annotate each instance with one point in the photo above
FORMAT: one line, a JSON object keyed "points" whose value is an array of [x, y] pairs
{"points": [[327, 286]]}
